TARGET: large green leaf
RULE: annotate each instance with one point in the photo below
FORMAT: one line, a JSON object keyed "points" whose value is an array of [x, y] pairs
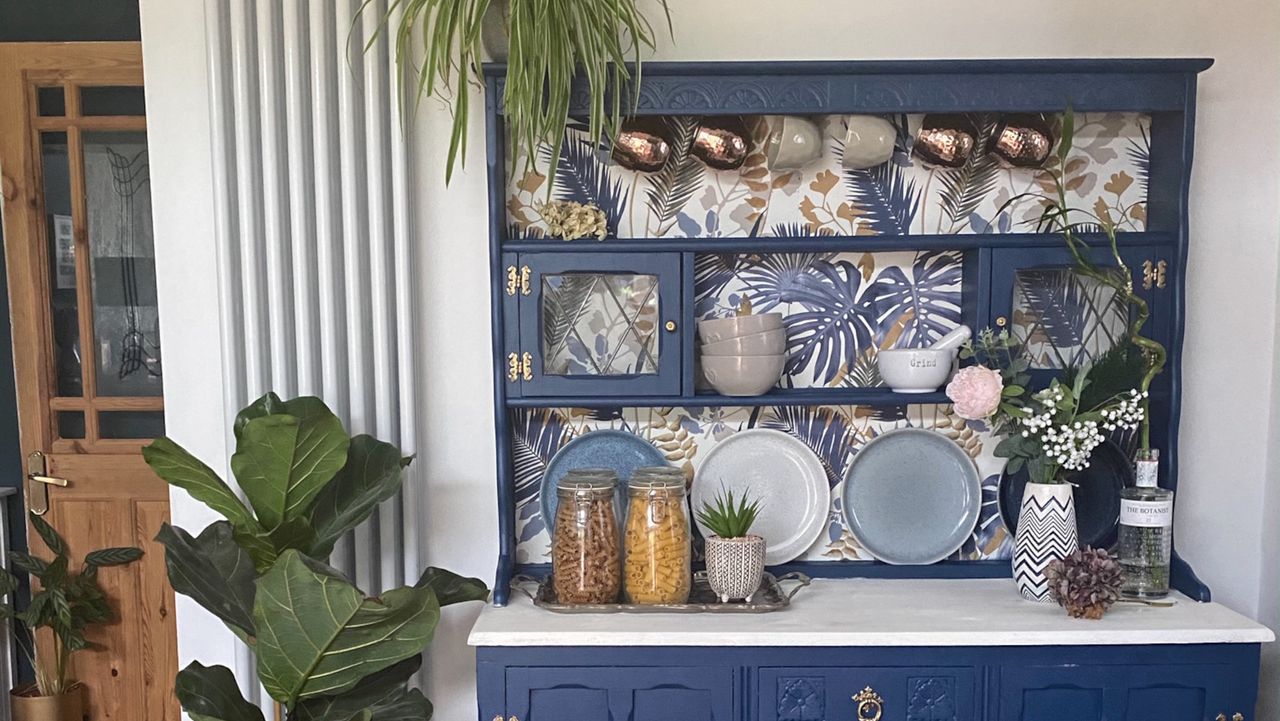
{"points": [[283, 461], [113, 556], [270, 404], [210, 693], [370, 476], [48, 535], [174, 464], [318, 635], [383, 694], [214, 571], [450, 588]]}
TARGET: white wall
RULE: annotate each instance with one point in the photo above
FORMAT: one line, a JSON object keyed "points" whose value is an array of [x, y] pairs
{"points": [[1229, 474]]}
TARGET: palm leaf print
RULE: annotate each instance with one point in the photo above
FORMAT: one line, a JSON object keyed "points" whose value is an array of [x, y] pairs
{"points": [[835, 324], [771, 280], [711, 273], [964, 188], [671, 188], [562, 303], [888, 200], [537, 434], [582, 176], [1056, 303], [822, 429], [931, 295], [1140, 155]]}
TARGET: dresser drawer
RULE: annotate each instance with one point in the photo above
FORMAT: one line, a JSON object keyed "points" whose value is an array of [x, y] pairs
{"points": [[906, 693]]}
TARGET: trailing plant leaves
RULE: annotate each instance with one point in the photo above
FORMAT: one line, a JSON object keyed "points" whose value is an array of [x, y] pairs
{"points": [[27, 562], [450, 588], [48, 535], [214, 571], [282, 462], [175, 465], [318, 635], [371, 475], [382, 694], [113, 556], [210, 693]]}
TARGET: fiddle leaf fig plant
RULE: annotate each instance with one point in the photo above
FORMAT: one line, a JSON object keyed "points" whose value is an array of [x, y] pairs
{"points": [[325, 650], [65, 602]]}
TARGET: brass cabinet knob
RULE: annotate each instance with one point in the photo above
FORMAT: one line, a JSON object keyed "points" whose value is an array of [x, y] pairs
{"points": [[870, 705], [671, 326], [1002, 322]]}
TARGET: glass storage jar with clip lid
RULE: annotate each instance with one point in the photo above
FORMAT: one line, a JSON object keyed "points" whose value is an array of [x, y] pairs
{"points": [[586, 553], [658, 548]]}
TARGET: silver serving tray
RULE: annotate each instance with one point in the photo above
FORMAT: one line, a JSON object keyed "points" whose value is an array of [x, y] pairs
{"points": [[702, 599]]}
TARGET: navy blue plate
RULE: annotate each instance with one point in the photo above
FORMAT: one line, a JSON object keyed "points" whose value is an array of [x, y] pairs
{"points": [[1097, 496]]}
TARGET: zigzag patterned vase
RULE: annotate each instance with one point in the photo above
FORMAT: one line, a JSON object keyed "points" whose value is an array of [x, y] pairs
{"points": [[1046, 533]]}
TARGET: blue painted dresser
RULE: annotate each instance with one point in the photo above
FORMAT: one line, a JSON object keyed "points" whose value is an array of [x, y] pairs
{"points": [[901, 253]]}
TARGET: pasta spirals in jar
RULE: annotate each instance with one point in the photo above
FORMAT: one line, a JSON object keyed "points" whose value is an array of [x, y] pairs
{"points": [[586, 554]]}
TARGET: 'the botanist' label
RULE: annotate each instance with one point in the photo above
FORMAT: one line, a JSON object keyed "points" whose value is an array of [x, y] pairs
{"points": [[1147, 514]]}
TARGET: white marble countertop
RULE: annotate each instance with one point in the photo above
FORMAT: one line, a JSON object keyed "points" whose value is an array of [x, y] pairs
{"points": [[877, 612]]}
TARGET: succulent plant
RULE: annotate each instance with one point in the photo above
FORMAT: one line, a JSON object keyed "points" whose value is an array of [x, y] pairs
{"points": [[1086, 582], [728, 517]]}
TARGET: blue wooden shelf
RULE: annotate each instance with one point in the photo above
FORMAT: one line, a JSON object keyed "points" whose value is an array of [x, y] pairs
{"points": [[828, 243], [779, 397]]}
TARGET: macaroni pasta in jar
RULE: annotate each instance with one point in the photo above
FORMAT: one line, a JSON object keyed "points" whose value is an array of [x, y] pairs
{"points": [[657, 538]]}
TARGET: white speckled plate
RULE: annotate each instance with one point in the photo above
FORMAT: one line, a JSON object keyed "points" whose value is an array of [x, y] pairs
{"points": [[911, 497], [783, 474]]}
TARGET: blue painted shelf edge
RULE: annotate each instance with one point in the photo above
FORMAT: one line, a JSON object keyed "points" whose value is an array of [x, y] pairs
{"points": [[832, 243]]}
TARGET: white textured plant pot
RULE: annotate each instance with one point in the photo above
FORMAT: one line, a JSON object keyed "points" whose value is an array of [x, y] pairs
{"points": [[735, 566], [1046, 533]]}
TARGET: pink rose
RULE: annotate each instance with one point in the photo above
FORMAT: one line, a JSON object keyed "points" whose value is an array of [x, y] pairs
{"points": [[975, 391]]}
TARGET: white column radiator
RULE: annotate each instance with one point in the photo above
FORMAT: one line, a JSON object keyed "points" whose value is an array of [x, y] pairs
{"points": [[314, 233]]}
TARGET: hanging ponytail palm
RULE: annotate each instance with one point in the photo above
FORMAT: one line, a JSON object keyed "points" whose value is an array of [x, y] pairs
{"points": [[551, 42]]}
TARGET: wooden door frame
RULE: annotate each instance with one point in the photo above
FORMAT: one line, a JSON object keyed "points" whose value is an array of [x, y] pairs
{"points": [[29, 64]]}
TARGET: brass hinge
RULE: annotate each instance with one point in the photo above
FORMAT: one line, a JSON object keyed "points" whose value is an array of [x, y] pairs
{"points": [[1154, 274], [519, 366], [513, 367], [526, 366], [518, 279]]}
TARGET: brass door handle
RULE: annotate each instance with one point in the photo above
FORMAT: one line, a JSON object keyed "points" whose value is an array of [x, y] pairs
{"points": [[50, 480]]}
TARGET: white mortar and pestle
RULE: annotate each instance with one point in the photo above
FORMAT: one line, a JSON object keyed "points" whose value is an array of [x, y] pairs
{"points": [[922, 370]]}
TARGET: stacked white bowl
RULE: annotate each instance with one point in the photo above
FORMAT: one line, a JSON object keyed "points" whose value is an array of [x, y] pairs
{"points": [[743, 355]]}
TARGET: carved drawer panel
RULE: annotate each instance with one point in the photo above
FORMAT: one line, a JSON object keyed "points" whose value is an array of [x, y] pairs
{"points": [[867, 694]]}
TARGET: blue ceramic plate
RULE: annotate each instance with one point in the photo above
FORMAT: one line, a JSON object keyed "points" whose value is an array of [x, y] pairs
{"points": [[1097, 496], [623, 452], [911, 497]]}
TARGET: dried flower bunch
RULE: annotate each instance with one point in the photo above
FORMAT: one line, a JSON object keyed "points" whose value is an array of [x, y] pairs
{"points": [[571, 220], [1086, 583]]}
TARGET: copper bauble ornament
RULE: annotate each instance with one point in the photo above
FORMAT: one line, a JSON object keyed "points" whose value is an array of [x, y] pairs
{"points": [[722, 142], [1021, 140], [946, 139], [642, 144]]}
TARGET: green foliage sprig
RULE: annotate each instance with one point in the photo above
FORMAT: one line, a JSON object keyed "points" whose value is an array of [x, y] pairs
{"points": [[65, 602], [1058, 216], [728, 517], [550, 43], [325, 650]]}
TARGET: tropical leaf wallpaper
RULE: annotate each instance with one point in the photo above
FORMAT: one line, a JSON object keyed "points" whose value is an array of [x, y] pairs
{"points": [[839, 309], [1106, 171], [686, 435]]}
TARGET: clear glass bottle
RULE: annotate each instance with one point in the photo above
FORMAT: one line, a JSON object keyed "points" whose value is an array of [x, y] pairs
{"points": [[586, 547], [658, 548], [1146, 530]]}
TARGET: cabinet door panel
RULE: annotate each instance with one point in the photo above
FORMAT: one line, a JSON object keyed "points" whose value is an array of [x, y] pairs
{"points": [[620, 694], [827, 694], [593, 323], [1066, 319], [1108, 693]]}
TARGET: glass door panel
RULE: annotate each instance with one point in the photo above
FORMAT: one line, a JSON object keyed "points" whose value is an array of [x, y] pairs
{"points": [[592, 323], [63, 294]]}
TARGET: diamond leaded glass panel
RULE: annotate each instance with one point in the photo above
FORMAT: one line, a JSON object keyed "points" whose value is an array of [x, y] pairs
{"points": [[600, 324], [1064, 319]]}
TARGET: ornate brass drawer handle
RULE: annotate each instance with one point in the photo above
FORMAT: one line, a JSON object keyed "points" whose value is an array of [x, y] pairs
{"points": [[870, 705]]}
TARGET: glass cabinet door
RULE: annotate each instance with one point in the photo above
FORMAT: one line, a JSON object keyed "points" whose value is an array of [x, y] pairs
{"points": [[593, 323], [1065, 319]]}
